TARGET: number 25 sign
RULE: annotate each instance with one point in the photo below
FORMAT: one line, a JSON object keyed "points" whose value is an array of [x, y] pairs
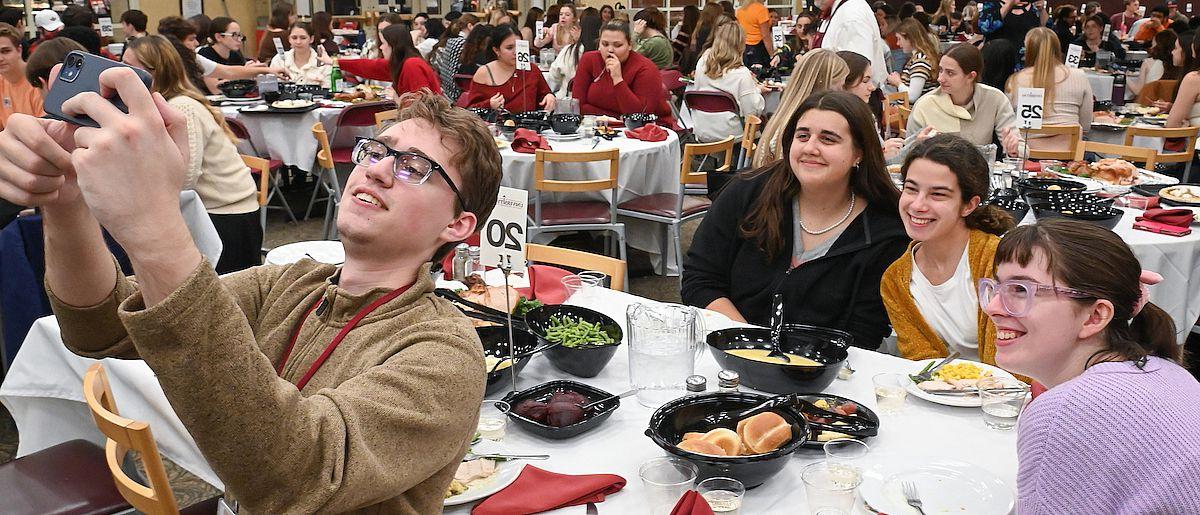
{"points": [[503, 235], [1029, 107]]}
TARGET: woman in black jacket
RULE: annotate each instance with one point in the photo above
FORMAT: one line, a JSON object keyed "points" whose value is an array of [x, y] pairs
{"points": [[834, 194]]}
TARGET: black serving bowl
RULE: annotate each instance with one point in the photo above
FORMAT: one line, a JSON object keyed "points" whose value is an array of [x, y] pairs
{"points": [[506, 129], [536, 121], [241, 88], [1104, 216], [1066, 198], [1012, 204], [487, 114], [565, 123], [1042, 184], [813, 441], [582, 361], [635, 120], [495, 343], [825, 346], [672, 420], [542, 392]]}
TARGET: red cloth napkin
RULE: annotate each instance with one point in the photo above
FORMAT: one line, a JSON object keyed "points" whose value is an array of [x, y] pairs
{"points": [[1176, 217], [537, 490], [648, 132], [526, 141], [692, 503]]}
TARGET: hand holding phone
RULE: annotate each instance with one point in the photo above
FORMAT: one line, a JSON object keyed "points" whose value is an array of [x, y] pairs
{"points": [[80, 72]]}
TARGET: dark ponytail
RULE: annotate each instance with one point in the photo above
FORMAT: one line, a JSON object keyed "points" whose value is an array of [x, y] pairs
{"points": [[1095, 260], [971, 170]]}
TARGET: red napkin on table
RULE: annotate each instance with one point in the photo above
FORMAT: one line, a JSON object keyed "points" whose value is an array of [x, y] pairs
{"points": [[1176, 217], [537, 490], [692, 503], [648, 132], [526, 141]]}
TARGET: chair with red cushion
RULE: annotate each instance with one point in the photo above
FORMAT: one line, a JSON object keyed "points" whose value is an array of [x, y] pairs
{"points": [[463, 81], [711, 102], [240, 131], [68, 478], [672, 209], [357, 115], [576, 215]]}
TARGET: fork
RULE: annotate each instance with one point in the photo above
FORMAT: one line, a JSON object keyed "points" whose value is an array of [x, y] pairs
{"points": [[505, 457], [911, 496]]}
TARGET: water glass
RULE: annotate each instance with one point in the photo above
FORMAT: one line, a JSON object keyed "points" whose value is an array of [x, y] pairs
{"points": [[1017, 165], [588, 125], [579, 286], [829, 489], [600, 278], [845, 450], [1002, 408], [492, 419], [567, 106], [891, 390], [724, 494], [666, 480]]}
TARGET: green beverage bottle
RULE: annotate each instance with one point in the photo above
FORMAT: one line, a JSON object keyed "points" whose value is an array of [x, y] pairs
{"points": [[335, 78]]}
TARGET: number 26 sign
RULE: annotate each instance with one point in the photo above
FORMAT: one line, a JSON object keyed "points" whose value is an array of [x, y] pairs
{"points": [[502, 237]]}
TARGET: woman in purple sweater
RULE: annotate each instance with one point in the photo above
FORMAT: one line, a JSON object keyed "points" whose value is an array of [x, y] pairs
{"points": [[1118, 431]]}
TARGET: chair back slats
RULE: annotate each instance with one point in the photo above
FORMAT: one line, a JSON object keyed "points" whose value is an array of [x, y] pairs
{"points": [[1148, 156], [615, 268], [1158, 132], [542, 157], [687, 172], [1073, 131], [263, 167], [123, 435], [324, 152], [382, 117]]}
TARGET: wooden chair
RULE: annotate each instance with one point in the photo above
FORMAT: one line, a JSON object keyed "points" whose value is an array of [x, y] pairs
{"points": [[578, 259], [1186, 156], [672, 209], [383, 117], [1148, 156], [1074, 132], [240, 131], [891, 111], [124, 435], [903, 114], [749, 140], [571, 216], [1156, 90], [327, 180], [263, 168]]}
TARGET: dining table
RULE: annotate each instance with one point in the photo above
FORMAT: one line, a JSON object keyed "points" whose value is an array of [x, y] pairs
{"points": [[44, 394], [288, 137]]}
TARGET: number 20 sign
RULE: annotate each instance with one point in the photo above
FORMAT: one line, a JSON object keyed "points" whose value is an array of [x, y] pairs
{"points": [[503, 235], [1029, 107]]}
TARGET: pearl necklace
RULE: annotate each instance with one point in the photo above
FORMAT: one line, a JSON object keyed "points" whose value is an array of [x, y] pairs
{"points": [[832, 227]]}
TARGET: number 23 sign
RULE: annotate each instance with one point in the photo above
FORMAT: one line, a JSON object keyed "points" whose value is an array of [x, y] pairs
{"points": [[503, 235]]}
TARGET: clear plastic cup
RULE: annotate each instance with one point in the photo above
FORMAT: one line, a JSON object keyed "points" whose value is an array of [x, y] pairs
{"points": [[891, 391], [665, 481], [724, 494], [493, 419], [579, 285], [830, 490], [1002, 408]]}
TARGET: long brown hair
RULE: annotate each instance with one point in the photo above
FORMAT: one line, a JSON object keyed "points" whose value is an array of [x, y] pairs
{"points": [[1164, 45], [398, 37], [1092, 259], [818, 70], [161, 58], [971, 171], [764, 222], [1043, 58], [922, 41]]}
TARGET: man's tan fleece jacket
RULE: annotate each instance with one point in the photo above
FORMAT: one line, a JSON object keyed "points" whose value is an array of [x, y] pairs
{"points": [[380, 428]]}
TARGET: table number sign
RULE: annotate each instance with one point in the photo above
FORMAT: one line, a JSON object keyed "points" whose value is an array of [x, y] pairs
{"points": [[541, 29], [522, 54], [503, 238], [1107, 31], [1073, 55], [1029, 107], [278, 46], [106, 27], [777, 36]]}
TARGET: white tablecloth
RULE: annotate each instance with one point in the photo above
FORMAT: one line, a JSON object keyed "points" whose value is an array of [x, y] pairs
{"points": [[43, 393], [1102, 86], [200, 226], [1177, 259], [288, 137], [645, 168]]}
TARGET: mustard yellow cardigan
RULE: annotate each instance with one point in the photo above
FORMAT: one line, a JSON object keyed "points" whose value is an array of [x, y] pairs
{"points": [[914, 337]]}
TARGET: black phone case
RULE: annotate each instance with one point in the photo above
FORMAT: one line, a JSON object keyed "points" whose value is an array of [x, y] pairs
{"points": [[81, 73]]}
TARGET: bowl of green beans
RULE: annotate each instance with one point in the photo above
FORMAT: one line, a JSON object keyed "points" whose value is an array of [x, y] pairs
{"points": [[586, 339]]}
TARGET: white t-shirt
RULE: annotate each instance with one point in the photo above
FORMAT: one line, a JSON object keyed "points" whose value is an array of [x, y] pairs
{"points": [[950, 308], [207, 66]]}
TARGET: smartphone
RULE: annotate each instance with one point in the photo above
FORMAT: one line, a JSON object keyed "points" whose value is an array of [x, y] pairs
{"points": [[80, 72], [1161, 228]]}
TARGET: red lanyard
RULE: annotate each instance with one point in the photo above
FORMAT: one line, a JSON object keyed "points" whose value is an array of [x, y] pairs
{"points": [[337, 340]]}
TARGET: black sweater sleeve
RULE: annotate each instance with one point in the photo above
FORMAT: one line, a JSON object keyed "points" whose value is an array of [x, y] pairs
{"points": [[867, 320], [708, 267]]}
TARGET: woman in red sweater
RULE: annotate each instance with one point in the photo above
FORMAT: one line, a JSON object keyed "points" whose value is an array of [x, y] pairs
{"points": [[614, 80], [500, 84], [401, 64]]}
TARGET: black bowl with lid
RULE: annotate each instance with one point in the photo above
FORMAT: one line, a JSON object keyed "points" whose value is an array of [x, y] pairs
{"points": [[828, 347], [635, 120], [565, 123], [1104, 216], [684, 415]]}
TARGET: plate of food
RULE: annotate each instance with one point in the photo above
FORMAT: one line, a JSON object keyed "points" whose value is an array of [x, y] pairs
{"points": [[839, 405], [482, 477], [1109, 120], [1111, 175], [1183, 194], [293, 105], [945, 486], [956, 380]]}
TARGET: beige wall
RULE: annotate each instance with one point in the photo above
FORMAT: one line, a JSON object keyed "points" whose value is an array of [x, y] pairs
{"points": [[248, 14]]}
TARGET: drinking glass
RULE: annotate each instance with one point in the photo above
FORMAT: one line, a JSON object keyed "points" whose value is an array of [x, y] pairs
{"points": [[845, 450], [666, 480], [890, 392], [579, 286], [492, 419], [724, 494], [830, 490], [664, 342], [588, 125], [600, 278], [1001, 408], [1017, 165]]}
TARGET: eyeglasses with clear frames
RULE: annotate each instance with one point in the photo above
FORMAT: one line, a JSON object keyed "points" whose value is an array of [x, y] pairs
{"points": [[1016, 295], [407, 167]]}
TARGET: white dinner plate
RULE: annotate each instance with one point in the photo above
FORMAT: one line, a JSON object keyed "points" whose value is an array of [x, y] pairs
{"points": [[944, 486], [554, 136], [962, 401], [506, 473]]}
